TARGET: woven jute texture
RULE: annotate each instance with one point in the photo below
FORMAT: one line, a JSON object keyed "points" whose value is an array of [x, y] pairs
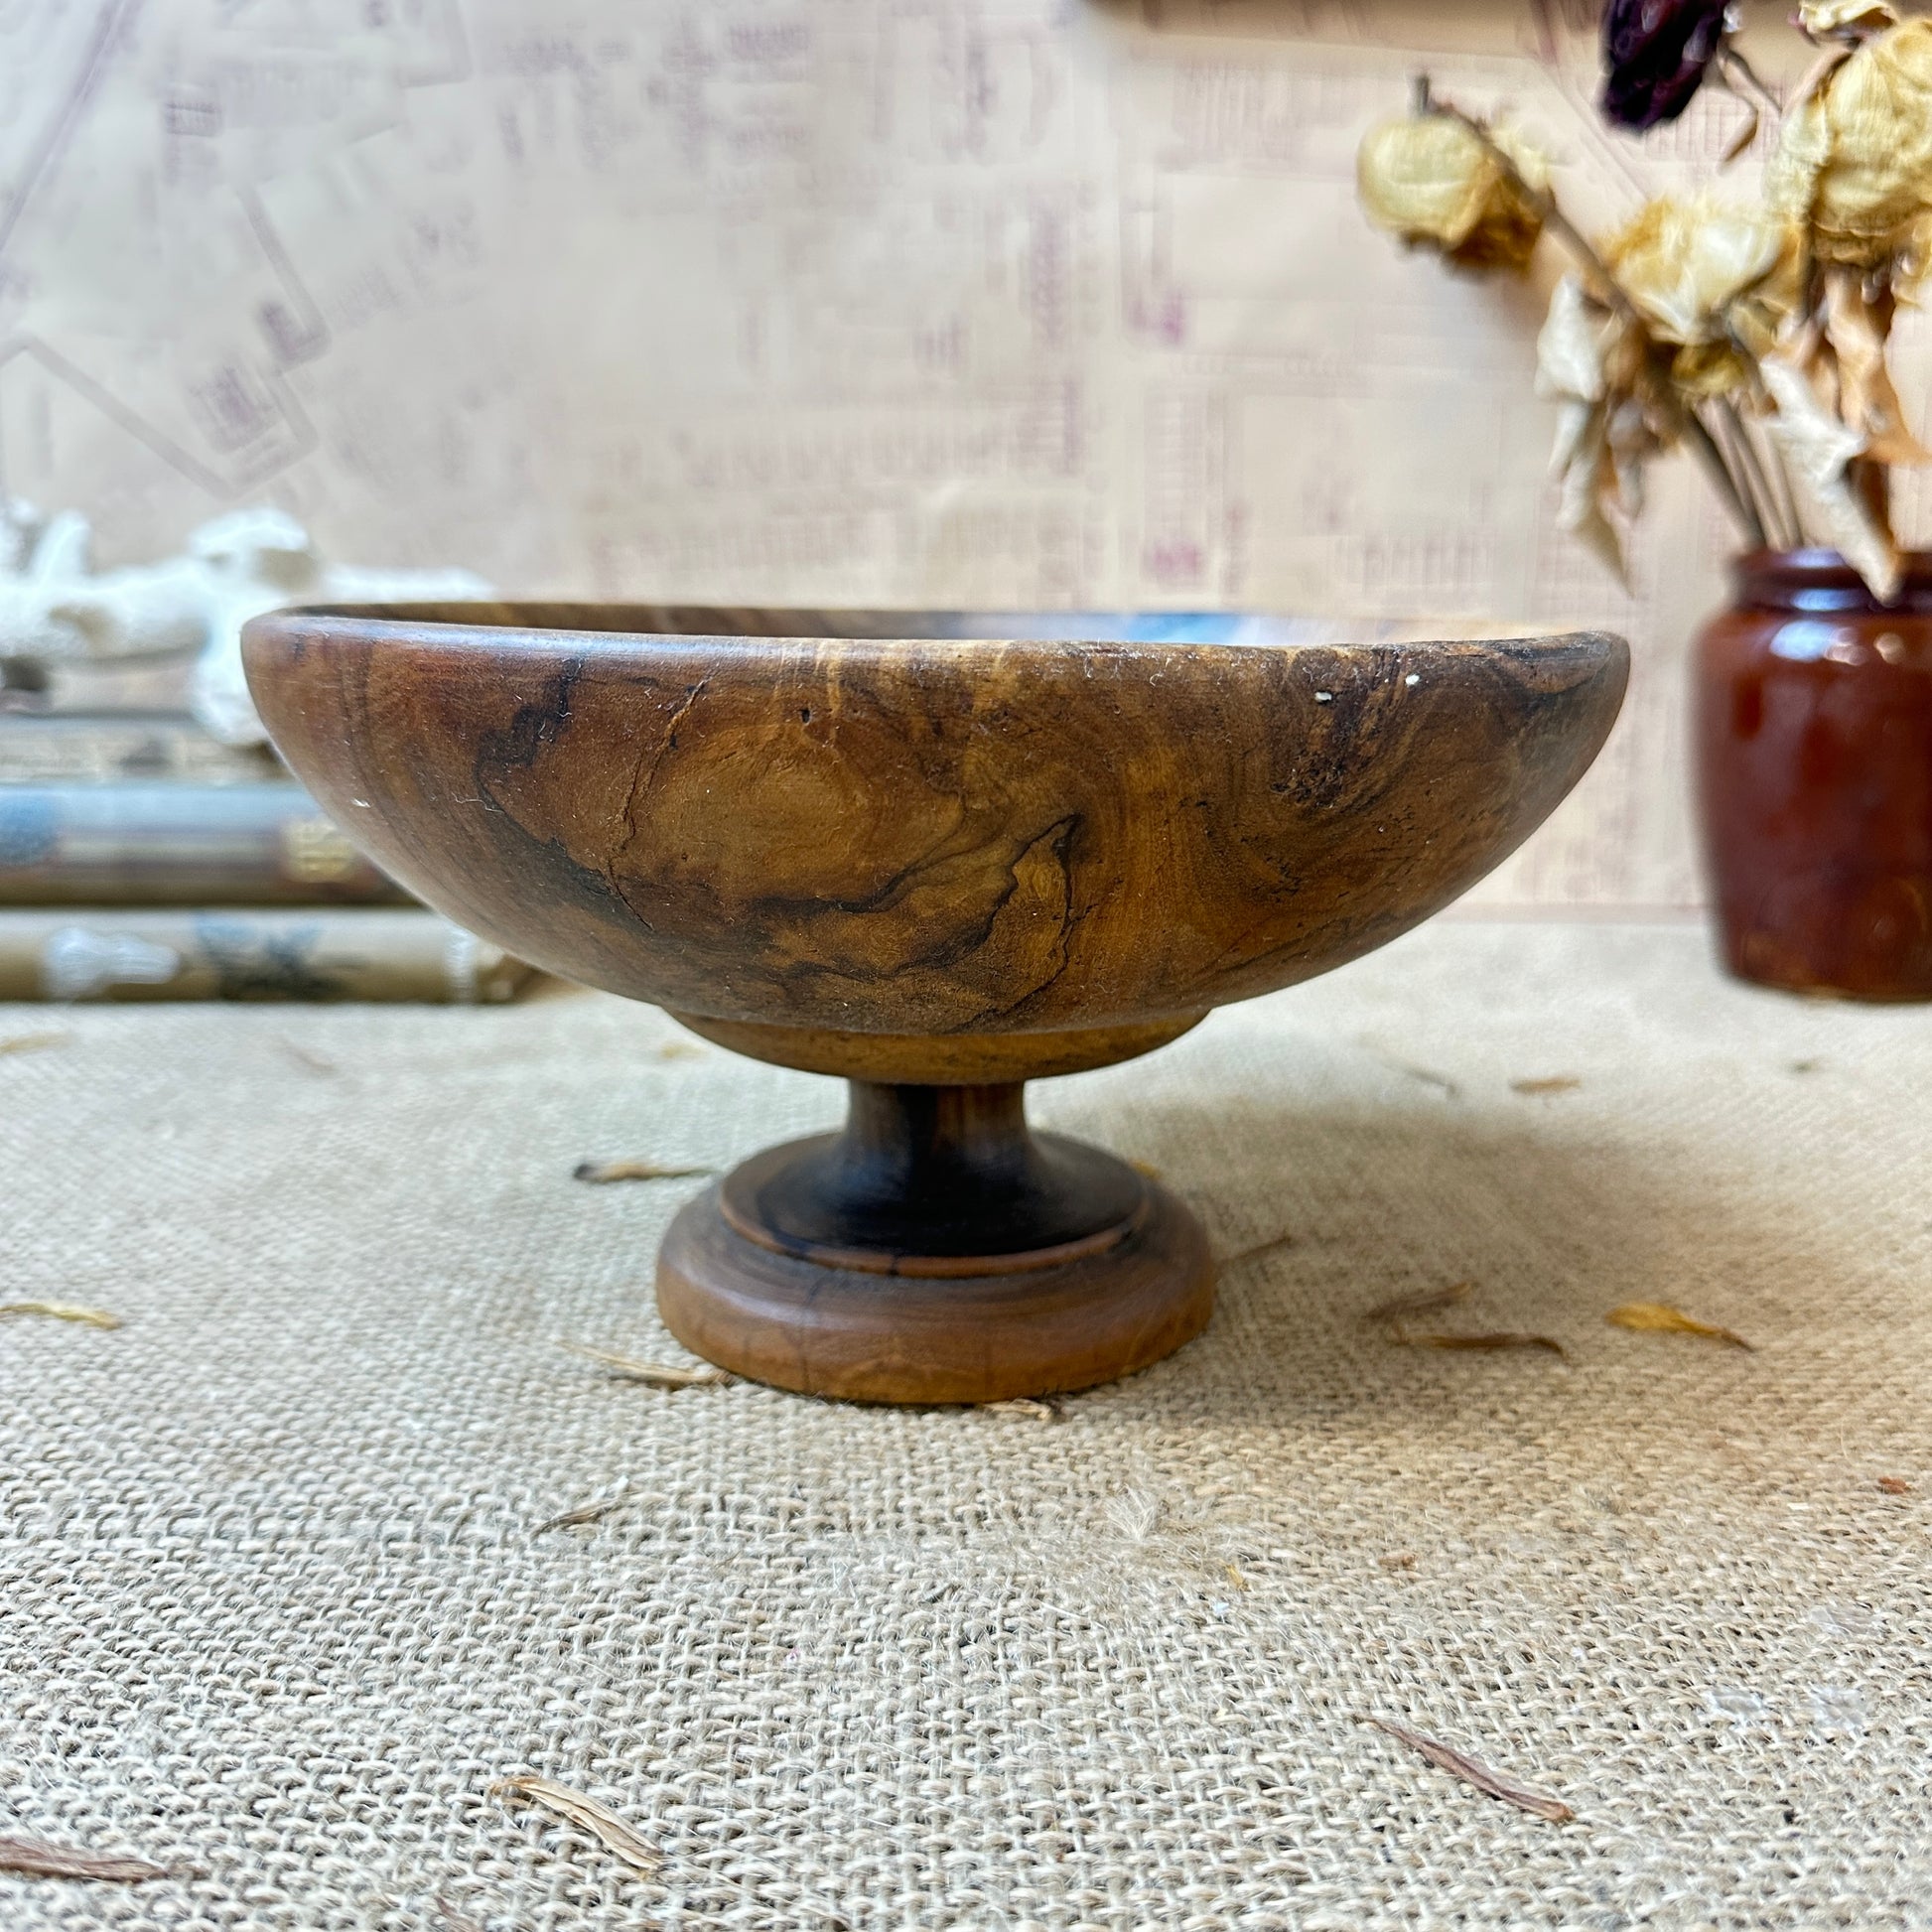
{"points": [[278, 1603]]}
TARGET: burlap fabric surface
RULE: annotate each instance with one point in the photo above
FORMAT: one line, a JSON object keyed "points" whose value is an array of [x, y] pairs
{"points": [[278, 1604]]}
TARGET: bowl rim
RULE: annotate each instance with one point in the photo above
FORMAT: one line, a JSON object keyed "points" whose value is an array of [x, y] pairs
{"points": [[517, 624]]}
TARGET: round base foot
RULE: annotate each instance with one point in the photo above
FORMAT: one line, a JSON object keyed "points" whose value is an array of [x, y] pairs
{"points": [[1028, 1323]]}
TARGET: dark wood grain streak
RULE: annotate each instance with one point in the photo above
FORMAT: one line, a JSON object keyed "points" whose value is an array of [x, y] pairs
{"points": [[920, 849]]}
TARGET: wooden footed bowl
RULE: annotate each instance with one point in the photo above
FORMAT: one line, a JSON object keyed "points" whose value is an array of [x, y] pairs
{"points": [[937, 856]]}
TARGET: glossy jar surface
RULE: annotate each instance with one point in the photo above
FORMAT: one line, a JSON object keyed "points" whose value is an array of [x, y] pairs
{"points": [[1813, 721]]}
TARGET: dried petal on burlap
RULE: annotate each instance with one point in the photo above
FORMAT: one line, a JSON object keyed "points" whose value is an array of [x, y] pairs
{"points": [[591, 1513], [37, 1860], [61, 1311], [32, 1042], [1472, 1770], [601, 1174], [1659, 1317], [659, 1375], [1428, 180], [1491, 1342], [586, 1812], [1029, 1406]]}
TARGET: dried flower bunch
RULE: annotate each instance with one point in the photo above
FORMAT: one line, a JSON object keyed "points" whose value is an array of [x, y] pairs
{"points": [[1754, 334]]}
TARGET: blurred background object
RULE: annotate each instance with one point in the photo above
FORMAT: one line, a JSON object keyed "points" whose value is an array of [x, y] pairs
{"points": [[966, 306], [177, 620], [65, 954], [1752, 330], [107, 804]]}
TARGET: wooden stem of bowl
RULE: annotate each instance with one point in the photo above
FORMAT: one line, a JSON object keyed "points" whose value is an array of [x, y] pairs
{"points": [[936, 1250]]}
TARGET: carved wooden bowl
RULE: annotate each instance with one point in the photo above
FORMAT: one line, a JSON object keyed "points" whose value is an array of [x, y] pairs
{"points": [[938, 855]]}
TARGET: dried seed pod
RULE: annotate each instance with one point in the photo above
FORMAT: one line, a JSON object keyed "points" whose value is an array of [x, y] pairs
{"points": [[1855, 163], [1655, 57], [1432, 181], [1713, 278]]}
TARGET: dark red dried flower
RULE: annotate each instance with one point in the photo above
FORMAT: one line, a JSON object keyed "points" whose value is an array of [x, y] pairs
{"points": [[1655, 53]]}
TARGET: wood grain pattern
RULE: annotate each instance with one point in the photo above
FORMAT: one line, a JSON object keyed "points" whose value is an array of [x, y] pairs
{"points": [[930, 836], [938, 855]]}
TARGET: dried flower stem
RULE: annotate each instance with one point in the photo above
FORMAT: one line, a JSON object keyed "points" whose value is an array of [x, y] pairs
{"points": [[1728, 438], [1703, 445], [1790, 521], [1750, 468], [1814, 75], [658, 1375], [1472, 1770], [40, 1860], [1745, 81]]}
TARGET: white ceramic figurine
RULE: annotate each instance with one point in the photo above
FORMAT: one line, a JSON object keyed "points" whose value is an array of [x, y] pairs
{"points": [[56, 607]]}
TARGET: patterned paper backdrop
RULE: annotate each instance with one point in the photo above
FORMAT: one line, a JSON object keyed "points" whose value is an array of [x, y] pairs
{"points": [[939, 300]]}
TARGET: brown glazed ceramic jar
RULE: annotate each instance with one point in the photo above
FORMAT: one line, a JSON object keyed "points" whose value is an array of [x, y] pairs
{"points": [[1814, 767]]}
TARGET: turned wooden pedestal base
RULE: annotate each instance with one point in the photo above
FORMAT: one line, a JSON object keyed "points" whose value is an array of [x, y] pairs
{"points": [[935, 1251]]}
